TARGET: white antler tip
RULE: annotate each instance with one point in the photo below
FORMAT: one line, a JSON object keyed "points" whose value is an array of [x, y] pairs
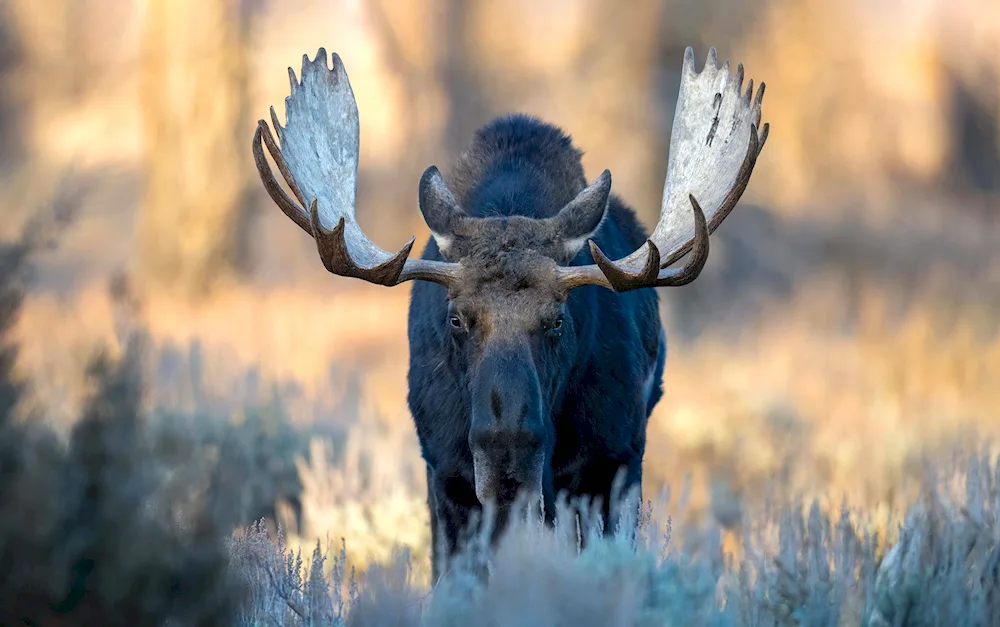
{"points": [[713, 59], [311, 68], [688, 59], [339, 69]]}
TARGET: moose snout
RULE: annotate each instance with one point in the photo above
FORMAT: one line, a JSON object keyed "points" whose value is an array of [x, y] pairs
{"points": [[507, 435]]}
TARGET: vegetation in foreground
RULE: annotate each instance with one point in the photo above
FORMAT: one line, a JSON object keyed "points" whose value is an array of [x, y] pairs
{"points": [[127, 522]]}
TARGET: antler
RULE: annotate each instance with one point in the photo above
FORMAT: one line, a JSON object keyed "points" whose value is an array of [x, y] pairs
{"points": [[713, 148], [318, 158]]}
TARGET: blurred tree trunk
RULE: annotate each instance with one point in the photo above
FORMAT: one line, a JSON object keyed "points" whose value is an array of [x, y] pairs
{"points": [[631, 129], [41, 69], [406, 36], [462, 75], [192, 228], [11, 137]]}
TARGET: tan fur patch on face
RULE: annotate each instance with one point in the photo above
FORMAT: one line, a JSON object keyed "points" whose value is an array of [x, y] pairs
{"points": [[507, 294]]}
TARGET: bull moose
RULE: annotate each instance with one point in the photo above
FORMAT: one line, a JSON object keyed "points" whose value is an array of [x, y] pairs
{"points": [[535, 360]]}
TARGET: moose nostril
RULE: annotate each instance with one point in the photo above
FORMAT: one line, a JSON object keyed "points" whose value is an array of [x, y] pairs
{"points": [[496, 405]]}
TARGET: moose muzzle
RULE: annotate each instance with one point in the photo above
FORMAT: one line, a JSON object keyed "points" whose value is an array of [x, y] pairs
{"points": [[507, 436]]}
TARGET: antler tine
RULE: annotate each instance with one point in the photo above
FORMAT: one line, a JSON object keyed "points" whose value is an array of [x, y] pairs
{"points": [[699, 253], [713, 149], [288, 206], [336, 256], [623, 280], [318, 158], [651, 275]]}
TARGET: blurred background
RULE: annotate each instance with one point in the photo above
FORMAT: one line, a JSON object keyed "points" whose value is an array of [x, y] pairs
{"points": [[844, 330]]}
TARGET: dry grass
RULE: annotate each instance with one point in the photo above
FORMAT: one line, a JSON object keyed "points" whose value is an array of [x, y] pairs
{"points": [[376, 495], [283, 335], [844, 415]]}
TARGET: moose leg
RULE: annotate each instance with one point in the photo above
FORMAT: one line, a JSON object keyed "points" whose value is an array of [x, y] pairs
{"points": [[597, 482], [453, 504], [436, 537]]}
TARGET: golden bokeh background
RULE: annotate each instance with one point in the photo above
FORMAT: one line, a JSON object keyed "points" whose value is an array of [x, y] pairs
{"points": [[844, 328]]}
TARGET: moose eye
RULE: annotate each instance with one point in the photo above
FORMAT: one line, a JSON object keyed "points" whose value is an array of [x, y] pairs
{"points": [[455, 322], [556, 326]]}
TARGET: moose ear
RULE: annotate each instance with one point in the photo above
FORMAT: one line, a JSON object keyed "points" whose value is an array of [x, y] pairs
{"points": [[581, 217], [439, 208]]}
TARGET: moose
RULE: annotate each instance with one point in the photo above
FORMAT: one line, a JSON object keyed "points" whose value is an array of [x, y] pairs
{"points": [[536, 346]]}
